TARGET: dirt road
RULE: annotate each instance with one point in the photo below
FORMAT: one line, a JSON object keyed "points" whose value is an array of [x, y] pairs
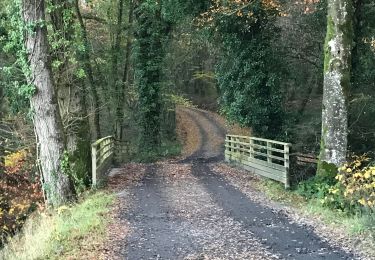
{"points": [[186, 209]]}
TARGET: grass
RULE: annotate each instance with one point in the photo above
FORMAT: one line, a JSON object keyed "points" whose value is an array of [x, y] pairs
{"points": [[353, 224], [59, 233]]}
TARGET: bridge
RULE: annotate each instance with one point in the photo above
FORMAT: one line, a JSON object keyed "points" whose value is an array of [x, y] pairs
{"points": [[267, 158]]}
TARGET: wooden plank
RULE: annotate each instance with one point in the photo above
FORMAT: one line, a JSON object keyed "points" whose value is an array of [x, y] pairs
{"points": [[260, 167], [286, 157], [271, 141], [260, 139], [239, 136], [101, 157], [93, 165], [102, 140], [249, 161], [238, 148], [103, 147], [257, 146], [248, 149], [269, 154], [307, 160], [274, 176], [281, 159]]}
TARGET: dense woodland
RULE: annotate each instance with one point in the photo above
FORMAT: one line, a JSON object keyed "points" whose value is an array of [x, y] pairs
{"points": [[75, 71]]}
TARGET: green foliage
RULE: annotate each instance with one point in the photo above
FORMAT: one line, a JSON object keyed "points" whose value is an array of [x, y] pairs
{"points": [[14, 73], [181, 101], [177, 10], [167, 149], [362, 105], [72, 167], [348, 189], [318, 186], [247, 71], [151, 32]]}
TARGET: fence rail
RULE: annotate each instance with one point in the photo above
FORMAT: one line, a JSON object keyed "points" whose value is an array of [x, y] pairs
{"points": [[264, 157], [102, 152]]}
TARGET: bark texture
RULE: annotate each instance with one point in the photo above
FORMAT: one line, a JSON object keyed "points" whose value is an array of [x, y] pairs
{"points": [[71, 94], [47, 120], [337, 72]]}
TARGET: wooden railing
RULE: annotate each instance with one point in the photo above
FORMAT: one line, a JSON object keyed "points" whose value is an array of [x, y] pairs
{"points": [[265, 157], [102, 152]]}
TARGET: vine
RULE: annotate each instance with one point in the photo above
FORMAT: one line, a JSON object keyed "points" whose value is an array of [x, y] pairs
{"points": [[247, 71], [151, 32]]}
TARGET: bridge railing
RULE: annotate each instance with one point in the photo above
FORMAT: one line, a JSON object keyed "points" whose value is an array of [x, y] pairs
{"points": [[264, 157], [102, 153]]}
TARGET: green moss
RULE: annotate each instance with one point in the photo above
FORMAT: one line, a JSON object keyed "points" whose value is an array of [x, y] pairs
{"points": [[327, 169], [322, 149], [329, 36]]}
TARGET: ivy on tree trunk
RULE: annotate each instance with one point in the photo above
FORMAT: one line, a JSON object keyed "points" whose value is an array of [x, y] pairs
{"points": [[46, 116], [149, 34]]}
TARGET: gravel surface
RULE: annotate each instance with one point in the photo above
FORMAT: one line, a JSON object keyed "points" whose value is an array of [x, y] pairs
{"points": [[191, 208]]}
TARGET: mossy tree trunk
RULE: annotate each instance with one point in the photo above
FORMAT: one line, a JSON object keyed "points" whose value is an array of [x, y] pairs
{"points": [[47, 120], [71, 98], [149, 34], [337, 74]]}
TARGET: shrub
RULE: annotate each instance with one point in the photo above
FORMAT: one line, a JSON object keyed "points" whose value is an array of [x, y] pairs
{"points": [[20, 192], [318, 186], [356, 184]]}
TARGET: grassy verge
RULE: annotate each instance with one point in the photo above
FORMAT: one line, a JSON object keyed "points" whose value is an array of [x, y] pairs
{"points": [[353, 224], [62, 233]]}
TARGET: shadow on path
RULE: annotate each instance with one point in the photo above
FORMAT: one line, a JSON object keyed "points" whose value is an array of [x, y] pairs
{"points": [[154, 221]]}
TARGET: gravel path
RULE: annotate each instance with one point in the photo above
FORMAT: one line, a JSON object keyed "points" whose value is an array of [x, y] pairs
{"points": [[182, 209]]}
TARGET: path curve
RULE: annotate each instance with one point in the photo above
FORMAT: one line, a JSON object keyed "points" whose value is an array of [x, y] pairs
{"points": [[183, 209]]}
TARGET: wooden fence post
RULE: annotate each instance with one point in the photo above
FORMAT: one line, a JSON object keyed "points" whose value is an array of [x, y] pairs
{"points": [[93, 161], [269, 153], [286, 164], [251, 148]]}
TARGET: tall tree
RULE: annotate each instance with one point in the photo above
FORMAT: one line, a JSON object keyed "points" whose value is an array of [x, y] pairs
{"points": [[47, 120], [337, 74], [150, 33], [86, 59], [125, 75], [247, 71], [71, 98]]}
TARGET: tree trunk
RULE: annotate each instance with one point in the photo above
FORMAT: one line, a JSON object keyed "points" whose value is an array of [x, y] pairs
{"points": [[2, 142], [71, 98], [337, 73], [114, 79], [47, 121], [125, 76], [85, 56]]}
